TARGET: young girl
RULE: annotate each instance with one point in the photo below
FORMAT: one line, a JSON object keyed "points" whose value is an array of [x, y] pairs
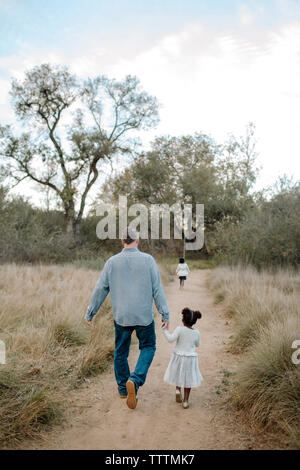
{"points": [[183, 370], [182, 271]]}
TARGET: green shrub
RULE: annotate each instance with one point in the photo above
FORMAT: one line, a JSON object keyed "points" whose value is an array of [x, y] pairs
{"points": [[266, 235]]}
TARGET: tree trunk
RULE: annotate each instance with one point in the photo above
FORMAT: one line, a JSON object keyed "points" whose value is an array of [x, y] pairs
{"points": [[77, 227], [70, 218]]}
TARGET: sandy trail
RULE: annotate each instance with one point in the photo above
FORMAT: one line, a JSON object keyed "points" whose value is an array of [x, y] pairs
{"points": [[101, 420]]}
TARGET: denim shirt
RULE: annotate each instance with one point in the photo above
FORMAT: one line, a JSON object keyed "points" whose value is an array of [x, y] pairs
{"points": [[133, 280]]}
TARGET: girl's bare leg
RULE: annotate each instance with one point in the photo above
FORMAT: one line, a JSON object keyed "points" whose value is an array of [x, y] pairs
{"points": [[186, 394], [178, 395]]}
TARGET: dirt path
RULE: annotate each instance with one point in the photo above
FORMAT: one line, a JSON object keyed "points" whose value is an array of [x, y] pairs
{"points": [[103, 421]]}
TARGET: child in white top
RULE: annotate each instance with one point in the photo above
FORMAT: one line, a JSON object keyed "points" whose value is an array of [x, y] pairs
{"points": [[183, 370], [182, 271]]}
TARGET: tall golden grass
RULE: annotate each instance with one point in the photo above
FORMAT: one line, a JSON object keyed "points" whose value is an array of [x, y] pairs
{"points": [[265, 307], [49, 347]]}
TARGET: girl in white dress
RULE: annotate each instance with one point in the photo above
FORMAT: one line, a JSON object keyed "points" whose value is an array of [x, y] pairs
{"points": [[183, 370], [182, 271]]}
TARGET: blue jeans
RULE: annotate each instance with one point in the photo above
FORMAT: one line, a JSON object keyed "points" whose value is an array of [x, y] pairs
{"points": [[146, 337]]}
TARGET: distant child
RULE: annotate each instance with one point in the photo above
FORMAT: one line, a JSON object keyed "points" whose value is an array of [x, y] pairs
{"points": [[182, 271], [183, 370]]}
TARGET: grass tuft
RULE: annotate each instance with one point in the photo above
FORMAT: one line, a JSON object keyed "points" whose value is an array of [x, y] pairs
{"points": [[265, 307], [48, 345]]}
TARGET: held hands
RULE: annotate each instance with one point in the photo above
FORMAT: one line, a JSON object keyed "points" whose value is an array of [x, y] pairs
{"points": [[165, 324]]}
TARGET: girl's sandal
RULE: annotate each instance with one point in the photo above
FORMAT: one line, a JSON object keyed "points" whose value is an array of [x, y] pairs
{"points": [[178, 396], [185, 405]]}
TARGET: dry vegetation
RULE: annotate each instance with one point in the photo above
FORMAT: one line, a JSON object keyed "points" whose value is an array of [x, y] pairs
{"points": [[168, 265], [50, 350], [265, 307]]}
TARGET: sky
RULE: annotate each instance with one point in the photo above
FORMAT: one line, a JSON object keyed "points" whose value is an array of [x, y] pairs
{"points": [[214, 65]]}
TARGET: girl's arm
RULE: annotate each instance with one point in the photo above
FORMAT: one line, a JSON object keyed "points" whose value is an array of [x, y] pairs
{"points": [[197, 342], [171, 337], [188, 268], [177, 269]]}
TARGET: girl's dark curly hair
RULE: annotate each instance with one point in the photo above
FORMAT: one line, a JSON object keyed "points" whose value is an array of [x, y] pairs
{"points": [[190, 316]]}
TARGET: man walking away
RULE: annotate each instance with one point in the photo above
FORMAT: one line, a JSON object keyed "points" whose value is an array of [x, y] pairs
{"points": [[133, 280]]}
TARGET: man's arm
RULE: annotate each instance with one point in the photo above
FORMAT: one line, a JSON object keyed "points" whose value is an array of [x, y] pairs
{"points": [[99, 294], [158, 293]]}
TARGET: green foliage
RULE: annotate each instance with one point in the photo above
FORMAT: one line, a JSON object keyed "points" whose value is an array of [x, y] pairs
{"points": [[240, 226], [190, 169], [33, 235], [268, 234]]}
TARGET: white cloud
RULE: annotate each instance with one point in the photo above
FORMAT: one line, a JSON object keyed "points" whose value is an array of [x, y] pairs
{"points": [[6, 113], [208, 81], [245, 16], [217, 84]]}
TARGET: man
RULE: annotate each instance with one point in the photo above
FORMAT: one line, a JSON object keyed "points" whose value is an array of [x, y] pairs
{"points": [[133, 280]]}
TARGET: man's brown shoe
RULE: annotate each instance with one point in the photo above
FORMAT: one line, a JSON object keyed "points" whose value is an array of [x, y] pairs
{"points": [[131, 397]]}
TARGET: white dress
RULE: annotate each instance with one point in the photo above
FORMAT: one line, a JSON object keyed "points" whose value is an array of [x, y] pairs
{"points": [[182, 269], [183, 369]]}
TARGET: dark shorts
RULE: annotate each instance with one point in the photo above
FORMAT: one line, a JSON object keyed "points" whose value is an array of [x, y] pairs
{"points": [[183, 278]]}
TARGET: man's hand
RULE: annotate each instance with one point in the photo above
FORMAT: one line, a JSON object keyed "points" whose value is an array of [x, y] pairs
{"points": [[88, 322], [165, 324]]}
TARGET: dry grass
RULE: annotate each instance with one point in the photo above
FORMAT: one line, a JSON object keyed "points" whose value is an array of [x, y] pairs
{"points": [[49, 347], [265, 307], [169, 264]]}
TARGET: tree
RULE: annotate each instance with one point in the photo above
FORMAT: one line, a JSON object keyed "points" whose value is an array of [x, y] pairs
{"points": [[192, 169], [69, 162], [162, 174], [176, 170]]}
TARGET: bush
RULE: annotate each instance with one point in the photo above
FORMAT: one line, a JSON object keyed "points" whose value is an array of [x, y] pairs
{"points": [[267, 235], [25, 411], [49, 347], [265, 307], [268, 381]]}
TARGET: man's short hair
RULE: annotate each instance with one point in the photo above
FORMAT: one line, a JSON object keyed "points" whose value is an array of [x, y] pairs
{"points": [[130, 235]]}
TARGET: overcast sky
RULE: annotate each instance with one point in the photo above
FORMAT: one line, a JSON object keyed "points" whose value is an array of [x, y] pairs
{"points": [[214, 65]]}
